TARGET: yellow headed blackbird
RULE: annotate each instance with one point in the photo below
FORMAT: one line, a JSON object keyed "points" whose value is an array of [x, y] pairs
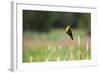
{"points": [[69, 32]]}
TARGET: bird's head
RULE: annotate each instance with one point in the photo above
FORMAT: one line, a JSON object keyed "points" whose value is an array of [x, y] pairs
{"points": [[67, 28]]}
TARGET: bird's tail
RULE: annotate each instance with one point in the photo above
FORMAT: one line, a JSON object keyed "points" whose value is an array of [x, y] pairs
{"points": [[72, 37]]}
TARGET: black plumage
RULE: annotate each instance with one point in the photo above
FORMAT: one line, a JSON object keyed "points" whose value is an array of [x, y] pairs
{"points": [[69, 32]]}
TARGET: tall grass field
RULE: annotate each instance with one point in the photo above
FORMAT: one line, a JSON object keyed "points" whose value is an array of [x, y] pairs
{"points": [[56, 45]]}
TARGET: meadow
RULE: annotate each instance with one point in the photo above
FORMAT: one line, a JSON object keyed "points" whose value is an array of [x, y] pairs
{"points": [[56, 45]]}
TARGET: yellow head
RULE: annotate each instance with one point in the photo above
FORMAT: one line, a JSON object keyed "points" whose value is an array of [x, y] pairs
{"points": [[67, 28]]}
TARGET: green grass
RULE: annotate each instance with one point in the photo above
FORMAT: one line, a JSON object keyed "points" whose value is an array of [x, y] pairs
{"points": [[40, 52], [39, 55]]}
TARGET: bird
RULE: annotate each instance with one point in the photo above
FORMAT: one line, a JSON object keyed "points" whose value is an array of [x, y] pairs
{"points": [[69, 32]]}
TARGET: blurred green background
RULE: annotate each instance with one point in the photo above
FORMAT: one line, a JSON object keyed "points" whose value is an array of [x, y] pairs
{"points": [[45, 39]]}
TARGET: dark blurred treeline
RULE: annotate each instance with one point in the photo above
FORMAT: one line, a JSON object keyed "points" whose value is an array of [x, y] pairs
{"points": [[46, 20]]}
